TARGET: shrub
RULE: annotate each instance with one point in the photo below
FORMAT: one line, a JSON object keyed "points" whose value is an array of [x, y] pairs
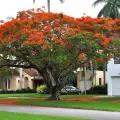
{"points": [[23, 90], [41, 89], [98, 90]]}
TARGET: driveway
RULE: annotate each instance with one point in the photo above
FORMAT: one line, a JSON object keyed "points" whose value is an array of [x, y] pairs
{"points": [[91, 114]]}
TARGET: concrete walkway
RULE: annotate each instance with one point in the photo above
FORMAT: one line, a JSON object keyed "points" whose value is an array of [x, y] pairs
{"points": [[91, 114]]}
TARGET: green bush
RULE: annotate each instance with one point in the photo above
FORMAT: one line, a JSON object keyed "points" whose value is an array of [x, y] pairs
{"points": [[23, 90], [41, 89], [98, 90], [6, 91]]}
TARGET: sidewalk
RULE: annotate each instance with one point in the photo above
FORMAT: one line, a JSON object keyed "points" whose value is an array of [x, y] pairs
{"points": [[91, 114]]}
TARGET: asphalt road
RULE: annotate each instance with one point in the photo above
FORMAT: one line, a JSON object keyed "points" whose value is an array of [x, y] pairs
{"points": [[91, 114]]}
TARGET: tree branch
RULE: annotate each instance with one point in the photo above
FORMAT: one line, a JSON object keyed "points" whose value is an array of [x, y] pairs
{"points": [[18, 66]]}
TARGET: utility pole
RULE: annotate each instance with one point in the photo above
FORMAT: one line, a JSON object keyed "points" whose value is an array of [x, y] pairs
{"points": [[84, 78], [92, 74], [104, 73]]}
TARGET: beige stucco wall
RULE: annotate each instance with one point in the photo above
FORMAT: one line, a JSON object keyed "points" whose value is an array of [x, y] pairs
{"points": [[79, 77], [13, 83], [97, 75], [30, 84]]}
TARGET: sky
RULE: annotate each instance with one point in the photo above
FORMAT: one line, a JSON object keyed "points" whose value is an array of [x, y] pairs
{"points": [[75, 8]]}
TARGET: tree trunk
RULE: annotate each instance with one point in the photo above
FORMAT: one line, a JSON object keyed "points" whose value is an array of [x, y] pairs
{"points": [[54, 79], [54, 94], [84, 78], [92, 73], [48, 4], [49, 75], [104, 73]]}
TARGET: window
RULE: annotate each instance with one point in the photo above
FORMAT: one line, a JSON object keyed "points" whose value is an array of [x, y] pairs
{"points": [[5, 84], [116, 59], [100, 81]]}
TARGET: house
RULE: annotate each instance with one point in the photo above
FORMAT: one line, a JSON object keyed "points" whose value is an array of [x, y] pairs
{"points": [[30, 78], [98, 79], [113, 68]]}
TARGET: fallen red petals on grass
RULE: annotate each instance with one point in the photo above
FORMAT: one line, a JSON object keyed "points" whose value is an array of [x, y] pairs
{"points": [[10, 102]]}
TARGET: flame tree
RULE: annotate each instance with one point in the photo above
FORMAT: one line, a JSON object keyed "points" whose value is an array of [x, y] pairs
{"points": [[56, 44]]}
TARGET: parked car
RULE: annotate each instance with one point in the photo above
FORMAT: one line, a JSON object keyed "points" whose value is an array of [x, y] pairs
{"points": [[70, 90]]}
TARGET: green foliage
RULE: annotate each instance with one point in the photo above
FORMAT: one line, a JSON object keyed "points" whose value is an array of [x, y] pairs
{"points": [[110, 8], [40, 89], [23, 90], [98, 90], [6, 72]]}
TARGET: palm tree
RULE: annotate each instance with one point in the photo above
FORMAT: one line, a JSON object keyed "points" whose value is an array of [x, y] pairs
{"points": [[48, 4], [110, 9]]}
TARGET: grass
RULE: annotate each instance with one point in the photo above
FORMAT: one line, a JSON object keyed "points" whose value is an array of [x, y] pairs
{"points": [[22, 116], [94, 105], [107, 104], [110, 99], [35, 95]]}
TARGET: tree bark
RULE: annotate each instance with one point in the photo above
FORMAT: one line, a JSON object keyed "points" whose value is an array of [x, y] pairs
{"points": [[84, 78], [54, 94], [92, 73], [48, 5], [51, 79]]}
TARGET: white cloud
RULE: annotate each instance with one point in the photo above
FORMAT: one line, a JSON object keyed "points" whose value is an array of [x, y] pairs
{"points": [[74, 8]]}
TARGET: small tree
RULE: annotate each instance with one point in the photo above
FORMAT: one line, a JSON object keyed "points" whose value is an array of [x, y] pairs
{"points": [[56, 44]]}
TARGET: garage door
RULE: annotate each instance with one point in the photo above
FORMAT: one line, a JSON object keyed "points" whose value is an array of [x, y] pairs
{"points": [[116, 85]]}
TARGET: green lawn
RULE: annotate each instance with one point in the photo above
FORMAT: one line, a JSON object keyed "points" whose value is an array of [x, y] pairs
{"points": [[95, 105], [35, 95], [110, 99], [22, 116], [107, 104]]}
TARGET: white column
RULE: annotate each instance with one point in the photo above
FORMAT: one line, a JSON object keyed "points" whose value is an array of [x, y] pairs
{"points": [[84, 79], [109, 86], [20, 72]]}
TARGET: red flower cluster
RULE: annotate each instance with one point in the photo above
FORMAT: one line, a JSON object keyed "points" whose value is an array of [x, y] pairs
{"points": [[35, 27]]}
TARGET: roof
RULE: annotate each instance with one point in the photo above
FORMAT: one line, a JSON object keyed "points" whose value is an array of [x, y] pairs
{"points": [[32, 72]]}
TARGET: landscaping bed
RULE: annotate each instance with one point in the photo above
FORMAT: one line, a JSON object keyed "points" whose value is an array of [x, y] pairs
{"points": [[8, 101]]}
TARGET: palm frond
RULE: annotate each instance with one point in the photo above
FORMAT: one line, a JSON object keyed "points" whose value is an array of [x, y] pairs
{"points": [[33, 1], [98, 1], [115, 13], [103, 11], [110, 9], [62, 1], [100, 13]]}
